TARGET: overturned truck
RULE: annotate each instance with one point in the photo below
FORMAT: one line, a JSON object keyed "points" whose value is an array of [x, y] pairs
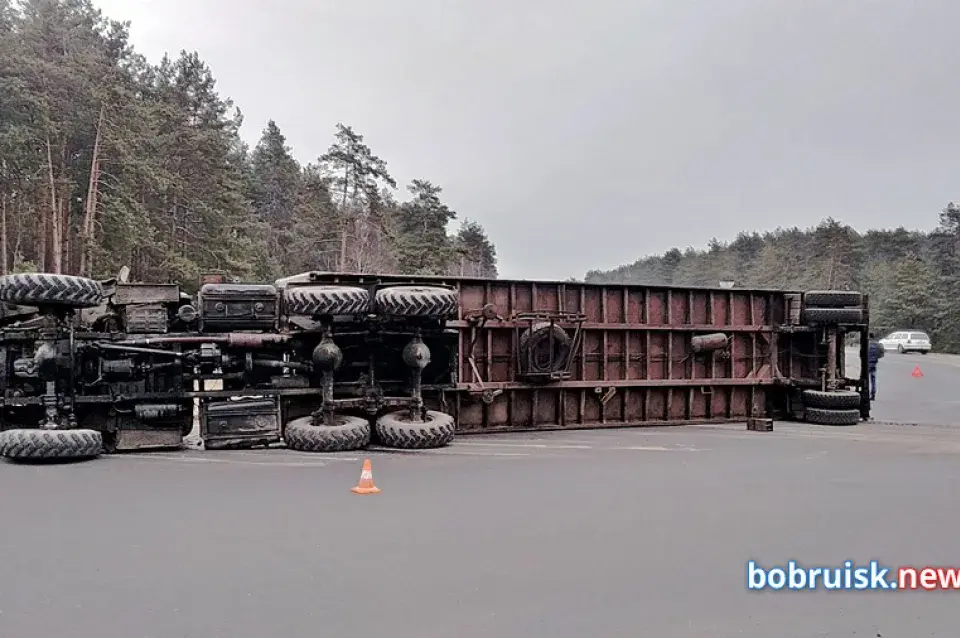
{"points": [[326, 362]]}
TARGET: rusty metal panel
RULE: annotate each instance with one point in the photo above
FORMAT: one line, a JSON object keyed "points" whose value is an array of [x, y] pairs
{"points": [[146, 294], [633, 360], [636, 363]]}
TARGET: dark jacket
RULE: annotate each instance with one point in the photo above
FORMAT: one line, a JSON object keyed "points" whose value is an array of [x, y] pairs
{"points": [[874, 353]]}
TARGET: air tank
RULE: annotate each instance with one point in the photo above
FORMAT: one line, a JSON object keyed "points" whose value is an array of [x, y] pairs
{"points": [[707, 343]]}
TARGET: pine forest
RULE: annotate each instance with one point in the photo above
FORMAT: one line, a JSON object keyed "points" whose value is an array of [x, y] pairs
{"points": [[107, 160]]}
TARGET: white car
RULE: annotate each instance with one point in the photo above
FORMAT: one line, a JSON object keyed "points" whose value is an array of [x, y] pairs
{"points": [[907, 341]]}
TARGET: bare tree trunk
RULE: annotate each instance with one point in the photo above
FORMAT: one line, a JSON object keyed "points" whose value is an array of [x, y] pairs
{"points": [[66, 264], [55, 215], [88, 228], [3, 233], [17, 255], [832, 272], [343, 221]]}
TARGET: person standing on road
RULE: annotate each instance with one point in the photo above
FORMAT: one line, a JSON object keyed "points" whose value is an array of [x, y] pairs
{"points": [[875, 352]]}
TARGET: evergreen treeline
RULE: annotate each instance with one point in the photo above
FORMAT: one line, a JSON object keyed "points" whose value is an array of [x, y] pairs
{"points": [[913, 278], [107, 160]]}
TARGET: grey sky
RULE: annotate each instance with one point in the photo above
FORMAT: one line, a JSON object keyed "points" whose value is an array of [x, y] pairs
{"points": [[587, 134]]}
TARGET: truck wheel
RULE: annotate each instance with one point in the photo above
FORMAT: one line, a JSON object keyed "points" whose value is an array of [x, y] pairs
{"points": [[831, 315], [50, 444], [418, 301], [326, 300], [349, 433], [832, 417], [535, 344], [396, 430], [832, 298], [42, 289], [844, 399]]}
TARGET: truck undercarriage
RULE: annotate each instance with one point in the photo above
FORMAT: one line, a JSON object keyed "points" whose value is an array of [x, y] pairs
{"points": [[326, 362]]}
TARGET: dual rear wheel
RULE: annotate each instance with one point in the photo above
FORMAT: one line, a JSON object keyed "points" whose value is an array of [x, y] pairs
{"points": [[393, 430], [397, 301], [831, 408]]}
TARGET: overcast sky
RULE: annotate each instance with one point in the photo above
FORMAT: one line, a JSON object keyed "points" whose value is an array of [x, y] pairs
{"points": [[587, 134]]}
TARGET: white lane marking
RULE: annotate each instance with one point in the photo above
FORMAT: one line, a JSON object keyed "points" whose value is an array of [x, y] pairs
{"points": [[312, 462], [657, 448], [451, 451], [465, 453], [539, 446], [307, 455], [246, 463], [605, 447]]}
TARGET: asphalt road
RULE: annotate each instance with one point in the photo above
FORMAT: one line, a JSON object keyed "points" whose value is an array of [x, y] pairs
{"points": [[932, 399], [564, 535]]}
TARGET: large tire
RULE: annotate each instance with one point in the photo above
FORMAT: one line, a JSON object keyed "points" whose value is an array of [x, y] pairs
{"points": [[418, 301], [831, 315], [832, 298], [350, 433], [43, 289], [396, 430], [536, 342], [843, 400], [822, 416], [326, 300], [35, 444]]}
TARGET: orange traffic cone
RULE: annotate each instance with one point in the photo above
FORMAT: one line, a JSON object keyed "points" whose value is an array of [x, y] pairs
{"points": [[366, 486], [916, 372]]}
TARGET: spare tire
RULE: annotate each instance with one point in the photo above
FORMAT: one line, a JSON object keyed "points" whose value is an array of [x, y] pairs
{"points": [[418, 301], [36, 444], [311, 301], [45, 289], [537, 356]]}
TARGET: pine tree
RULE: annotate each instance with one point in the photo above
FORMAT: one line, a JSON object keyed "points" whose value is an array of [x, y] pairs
{"points": [[357, 175], [912, 303], [315, 240], [275, 181], [424, 247], [478, 257]]}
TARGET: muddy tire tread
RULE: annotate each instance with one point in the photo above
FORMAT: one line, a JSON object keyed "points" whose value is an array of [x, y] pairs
{"points": [[417, 301], [822, 416], [326, 300], [36, 289], [832, 298], [50, 444], [393, 430], [831, 316], [351, 433], [842, 400]]}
